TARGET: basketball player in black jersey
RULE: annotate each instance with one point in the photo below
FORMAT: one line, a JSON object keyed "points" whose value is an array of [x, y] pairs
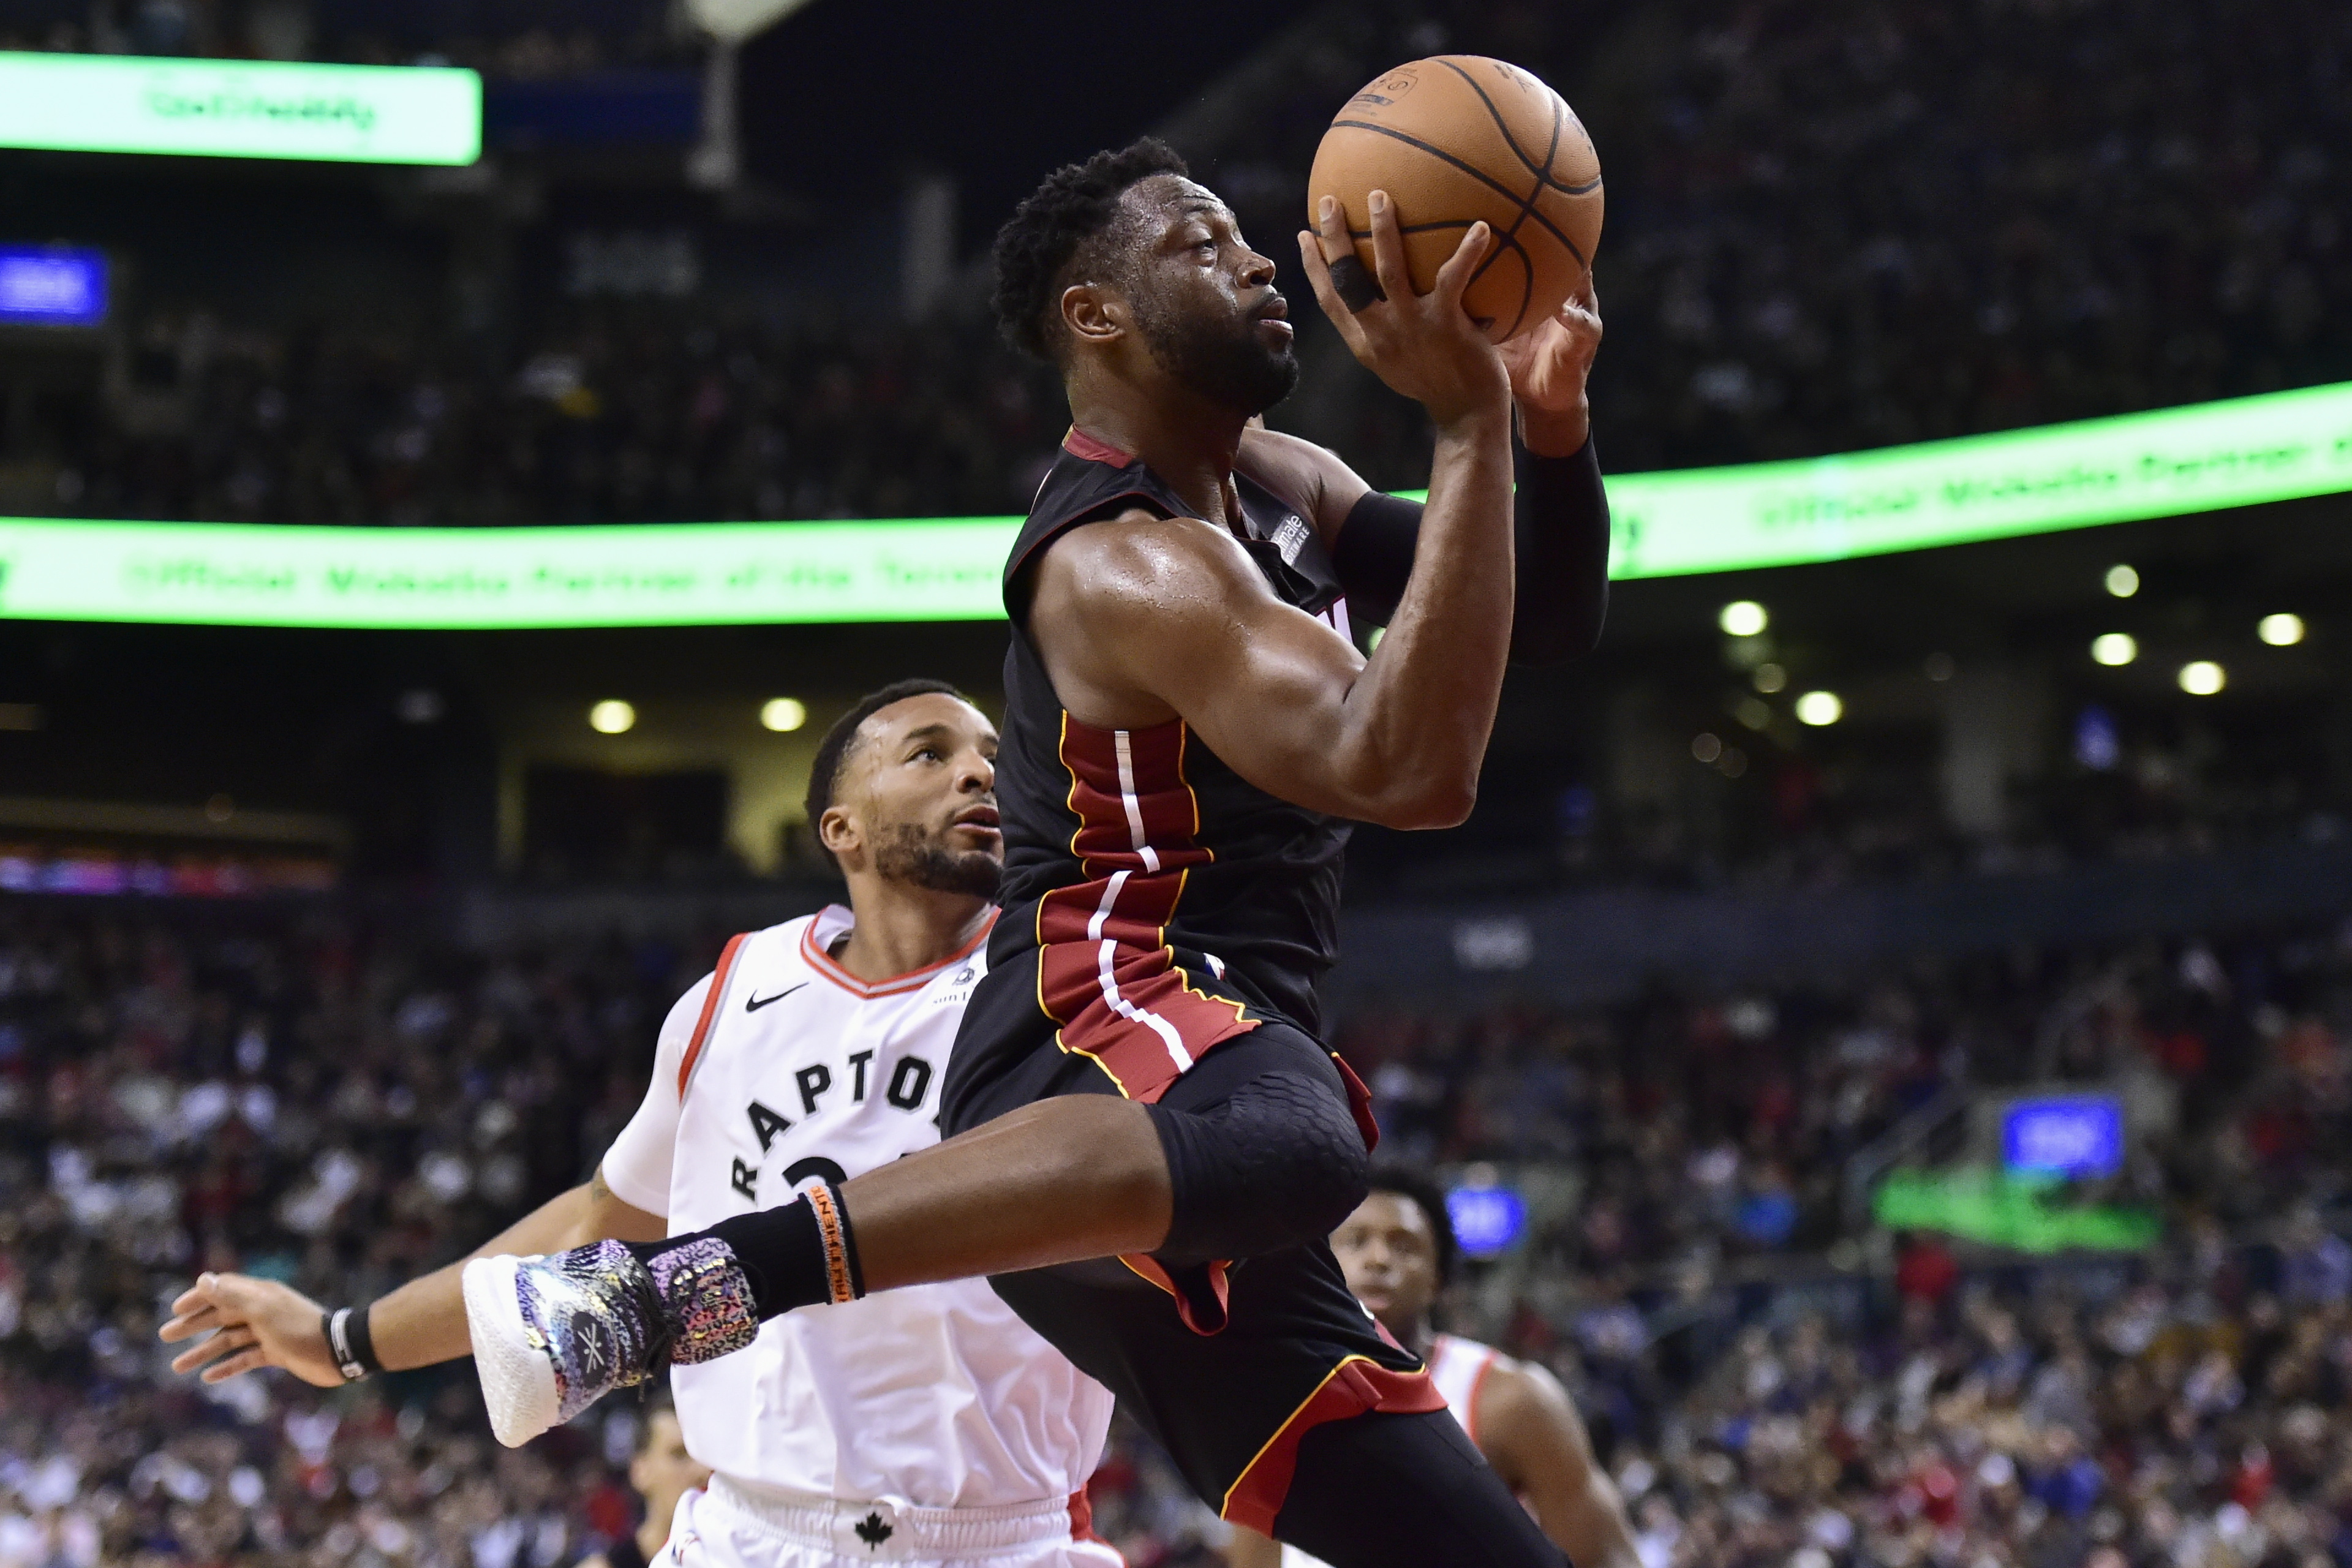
{"points": [[1150, 1142]]}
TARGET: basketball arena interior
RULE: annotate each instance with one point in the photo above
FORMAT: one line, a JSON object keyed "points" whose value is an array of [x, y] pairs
{"points": [[1883, 1032]]}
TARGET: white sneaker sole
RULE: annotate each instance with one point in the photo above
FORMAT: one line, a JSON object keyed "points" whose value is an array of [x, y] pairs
{"points": [[518, 1380]]}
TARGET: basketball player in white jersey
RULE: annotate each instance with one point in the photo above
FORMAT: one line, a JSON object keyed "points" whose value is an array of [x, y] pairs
{"points": [[929, 1425], [1398, 1249], [662, 1472]]}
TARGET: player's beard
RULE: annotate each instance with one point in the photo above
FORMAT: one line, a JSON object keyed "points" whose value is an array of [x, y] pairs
{"points": [[907, 853], [1226, 363]]}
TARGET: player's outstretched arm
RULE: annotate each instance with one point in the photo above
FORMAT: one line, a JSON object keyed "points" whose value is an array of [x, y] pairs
{"points": [[248, 1323], [1159, 618]]}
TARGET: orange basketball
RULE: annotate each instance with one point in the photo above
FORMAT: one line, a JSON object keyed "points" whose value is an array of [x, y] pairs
{"points": [[1456, 138]]}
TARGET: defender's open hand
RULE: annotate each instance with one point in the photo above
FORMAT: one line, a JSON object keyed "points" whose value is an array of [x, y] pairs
{"points": [[1423, 345], [250, 1323]]}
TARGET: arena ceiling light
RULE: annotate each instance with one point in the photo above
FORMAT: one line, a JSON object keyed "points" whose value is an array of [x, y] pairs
{"points": [[2115, 649], [2202, 677], [2242, 452], [2122, 581], [782, 714], [240, 109], [2281, 630], [1743, 619], [1820, 708]]}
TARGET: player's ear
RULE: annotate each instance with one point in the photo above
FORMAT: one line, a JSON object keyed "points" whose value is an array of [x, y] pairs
{"points": [[839, 831], [1092, 313]]}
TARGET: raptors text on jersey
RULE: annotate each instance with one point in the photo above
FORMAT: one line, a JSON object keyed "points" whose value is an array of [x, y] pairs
{"points": [[935, 1396]]}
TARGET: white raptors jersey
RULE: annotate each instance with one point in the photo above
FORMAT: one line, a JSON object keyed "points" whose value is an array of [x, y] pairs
{"points": [[1458, 1367], [935, 1396]]}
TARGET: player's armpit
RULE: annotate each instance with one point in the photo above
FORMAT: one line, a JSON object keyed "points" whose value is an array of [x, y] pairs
{"points": [[1529, 1431], [1148, 619]]}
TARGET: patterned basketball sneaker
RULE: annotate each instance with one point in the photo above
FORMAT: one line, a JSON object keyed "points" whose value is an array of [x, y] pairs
{"points": [[553, 1335]]}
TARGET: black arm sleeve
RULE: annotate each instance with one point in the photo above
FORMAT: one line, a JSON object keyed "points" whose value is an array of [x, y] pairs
{"points": [[1561, 533]]}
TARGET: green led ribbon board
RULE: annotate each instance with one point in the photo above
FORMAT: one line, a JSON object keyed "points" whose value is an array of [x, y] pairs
{"points": [[2135, 466], [673, 574], [240, 109], [2237, 453]]}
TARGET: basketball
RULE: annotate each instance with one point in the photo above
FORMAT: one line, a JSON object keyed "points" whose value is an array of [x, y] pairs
{"points": [[1457, 138]]}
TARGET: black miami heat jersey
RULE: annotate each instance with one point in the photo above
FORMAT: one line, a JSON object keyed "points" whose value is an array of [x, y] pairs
{"points": [[1155, 902]]}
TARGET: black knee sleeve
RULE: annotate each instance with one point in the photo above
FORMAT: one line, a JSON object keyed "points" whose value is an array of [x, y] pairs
{"points": [[1278, 1163]]}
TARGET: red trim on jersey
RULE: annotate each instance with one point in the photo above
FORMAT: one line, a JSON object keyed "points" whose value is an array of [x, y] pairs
{"points": [[1353, 1388], [1104, 972], [1360, 1103], [1203, 1318], [1094, 449], [710, 1010], [913, 980]]}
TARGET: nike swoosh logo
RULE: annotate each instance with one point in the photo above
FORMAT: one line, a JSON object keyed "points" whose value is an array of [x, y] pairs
{"points": [[753, 1003]]}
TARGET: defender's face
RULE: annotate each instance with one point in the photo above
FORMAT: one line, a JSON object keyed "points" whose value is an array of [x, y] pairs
{"points": [[662, 1471], [1204, 301], [1389, 1256], [921, 792]]}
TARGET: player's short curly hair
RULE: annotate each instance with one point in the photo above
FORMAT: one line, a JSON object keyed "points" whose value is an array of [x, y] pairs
{"points": [[1055, 227], [1418, 1187]]}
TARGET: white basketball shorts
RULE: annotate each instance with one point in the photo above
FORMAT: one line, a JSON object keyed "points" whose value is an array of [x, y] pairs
{"points": [[730, 1526]]}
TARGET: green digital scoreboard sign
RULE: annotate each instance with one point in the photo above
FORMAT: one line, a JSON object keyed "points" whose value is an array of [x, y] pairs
{"points": [[2208, 455], [240, 109]]}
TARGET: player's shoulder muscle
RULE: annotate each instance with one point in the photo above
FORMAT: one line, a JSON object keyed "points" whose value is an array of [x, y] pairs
{"points": [[1142, 567], [1522, 1408], [1314, 478]]}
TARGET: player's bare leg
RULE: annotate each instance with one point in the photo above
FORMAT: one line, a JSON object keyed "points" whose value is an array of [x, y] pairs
{"points": [[1059, 1182]]}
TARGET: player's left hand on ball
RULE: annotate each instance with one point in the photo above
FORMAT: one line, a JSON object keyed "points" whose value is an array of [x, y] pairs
{"points": [[248, 1324], [1549, 363]]}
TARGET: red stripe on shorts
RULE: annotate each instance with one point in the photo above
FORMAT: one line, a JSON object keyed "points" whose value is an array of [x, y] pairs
{"points": [[1104, 972], [1355, 1387]]}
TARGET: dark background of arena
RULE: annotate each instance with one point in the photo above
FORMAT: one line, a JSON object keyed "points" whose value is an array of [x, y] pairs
{"points": [[397, 924]]}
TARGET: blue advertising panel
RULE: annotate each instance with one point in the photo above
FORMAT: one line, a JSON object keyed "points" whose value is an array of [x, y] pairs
{"points": [[1487, 1221], [2079, 1135], [43, 287]]}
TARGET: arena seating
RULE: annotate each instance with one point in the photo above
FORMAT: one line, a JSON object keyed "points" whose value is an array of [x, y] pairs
{"points": [[1831, 228], [333, 1100]]}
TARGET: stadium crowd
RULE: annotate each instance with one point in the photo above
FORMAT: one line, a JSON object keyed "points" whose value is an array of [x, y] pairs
{"points": [[516, 39], [1833, 227], [1843, 225], [299, 1092], [615, 412]]}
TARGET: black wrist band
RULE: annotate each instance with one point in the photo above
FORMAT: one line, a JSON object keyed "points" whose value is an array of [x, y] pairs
{"points": [[363, 1337], [349, 1342]]}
